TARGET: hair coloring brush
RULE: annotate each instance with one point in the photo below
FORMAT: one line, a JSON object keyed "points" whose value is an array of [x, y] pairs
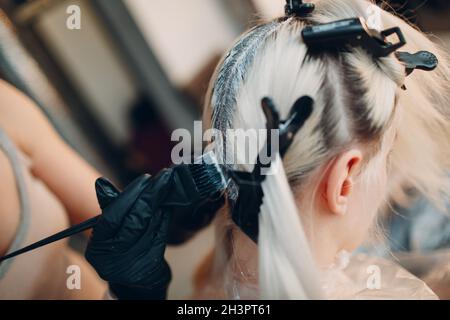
{"points": [[207, 178]]}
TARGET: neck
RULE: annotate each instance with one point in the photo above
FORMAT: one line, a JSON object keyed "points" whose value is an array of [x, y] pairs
{"points": [[236, 257], [243, 263]]}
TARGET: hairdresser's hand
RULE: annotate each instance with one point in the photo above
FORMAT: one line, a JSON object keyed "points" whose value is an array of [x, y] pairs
{"points": [[128, 243]]}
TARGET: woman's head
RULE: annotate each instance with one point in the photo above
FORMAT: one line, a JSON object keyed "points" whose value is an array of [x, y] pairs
{"points": [[337, 166]]}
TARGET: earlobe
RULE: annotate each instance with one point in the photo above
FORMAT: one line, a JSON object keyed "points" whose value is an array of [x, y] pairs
{"points": [[339, 184]]}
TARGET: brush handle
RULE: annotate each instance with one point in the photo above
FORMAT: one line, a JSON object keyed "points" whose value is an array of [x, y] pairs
{"points": [[88, 224]]}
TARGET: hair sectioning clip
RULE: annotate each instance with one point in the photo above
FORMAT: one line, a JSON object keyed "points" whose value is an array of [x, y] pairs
{"points": [[298, 8], [422, 60], [245, 211], [344, 34], [352, 33]]}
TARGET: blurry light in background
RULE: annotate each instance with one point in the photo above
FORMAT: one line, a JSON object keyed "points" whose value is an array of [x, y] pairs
{"points": [[89, 59], [184, 34], [269, 8]]}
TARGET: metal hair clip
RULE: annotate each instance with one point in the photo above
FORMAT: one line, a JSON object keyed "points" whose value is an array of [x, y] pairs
{"points": [[298, 8], [246, 209], [354, 32]]}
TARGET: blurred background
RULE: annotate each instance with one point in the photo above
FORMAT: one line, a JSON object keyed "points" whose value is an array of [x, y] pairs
{"points": [[136, 70]]}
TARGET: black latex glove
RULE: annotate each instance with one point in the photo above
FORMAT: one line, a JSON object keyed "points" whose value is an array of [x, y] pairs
{"points": [[128, 243]]}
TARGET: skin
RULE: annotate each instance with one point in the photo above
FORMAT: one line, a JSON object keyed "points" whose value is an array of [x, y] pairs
{"points": [[53, 162], [9, 206]]}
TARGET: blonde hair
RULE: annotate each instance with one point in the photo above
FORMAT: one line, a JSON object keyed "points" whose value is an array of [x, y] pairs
{"points": [[356, 98]]}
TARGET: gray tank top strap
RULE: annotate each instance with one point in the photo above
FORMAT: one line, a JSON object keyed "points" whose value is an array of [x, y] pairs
{"points": [[11, 152]]}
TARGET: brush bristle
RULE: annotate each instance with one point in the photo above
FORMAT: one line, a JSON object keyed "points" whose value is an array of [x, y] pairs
{"points": [[208, 176]]}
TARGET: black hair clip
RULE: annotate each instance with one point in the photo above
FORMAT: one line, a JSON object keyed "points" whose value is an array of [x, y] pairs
{"points": [[352, 33], [422, 60], [245, 211], [298, 8]]}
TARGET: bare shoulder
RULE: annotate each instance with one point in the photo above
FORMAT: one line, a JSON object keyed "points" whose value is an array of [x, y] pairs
{"points": [[9, 205], [13, 101], [21, 118]]}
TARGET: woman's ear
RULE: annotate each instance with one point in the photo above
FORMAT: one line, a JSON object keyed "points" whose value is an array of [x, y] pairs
{"points": [[340, 180]]}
